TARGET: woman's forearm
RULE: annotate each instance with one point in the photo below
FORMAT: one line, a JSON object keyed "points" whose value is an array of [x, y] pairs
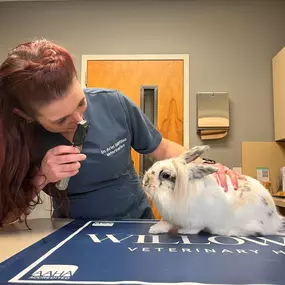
{"points": [[168, 149]]}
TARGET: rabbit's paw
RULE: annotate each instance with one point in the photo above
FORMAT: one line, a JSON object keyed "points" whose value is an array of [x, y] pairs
{"points": [[160, 227]]}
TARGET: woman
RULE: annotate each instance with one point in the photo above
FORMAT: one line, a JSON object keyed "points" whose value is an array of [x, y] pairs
{"points": [[41, 102]]}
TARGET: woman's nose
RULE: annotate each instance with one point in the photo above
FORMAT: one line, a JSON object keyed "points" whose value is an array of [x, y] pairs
{"points": [[77, 117]]}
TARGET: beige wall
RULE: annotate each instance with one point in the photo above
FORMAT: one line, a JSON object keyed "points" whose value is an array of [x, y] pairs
{"points": [[231, 44]]}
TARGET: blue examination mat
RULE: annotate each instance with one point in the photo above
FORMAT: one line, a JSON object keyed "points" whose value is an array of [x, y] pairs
{"points": [[122, 252]]}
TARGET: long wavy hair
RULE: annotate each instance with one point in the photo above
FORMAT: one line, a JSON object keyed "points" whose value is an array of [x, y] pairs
{"points": [[33, 74]]}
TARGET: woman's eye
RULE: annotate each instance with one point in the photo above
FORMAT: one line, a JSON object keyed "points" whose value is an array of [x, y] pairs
{"points": [[61, 121], [81, 103]]}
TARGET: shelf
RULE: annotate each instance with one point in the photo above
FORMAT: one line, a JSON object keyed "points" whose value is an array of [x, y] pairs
{"points": [[280, 202]]}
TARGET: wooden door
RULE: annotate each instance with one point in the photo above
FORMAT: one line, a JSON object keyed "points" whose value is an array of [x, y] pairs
{"points": [[131, 76]]}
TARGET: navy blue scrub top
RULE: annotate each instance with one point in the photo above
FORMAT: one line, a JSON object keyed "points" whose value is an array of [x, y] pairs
{"points": [[107, 185]]}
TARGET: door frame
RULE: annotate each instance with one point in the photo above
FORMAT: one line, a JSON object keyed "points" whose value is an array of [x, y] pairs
{"points": [[185, 57]]}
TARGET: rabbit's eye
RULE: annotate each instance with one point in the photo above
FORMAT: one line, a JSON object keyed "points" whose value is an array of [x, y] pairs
{"points": [[165, 175]]}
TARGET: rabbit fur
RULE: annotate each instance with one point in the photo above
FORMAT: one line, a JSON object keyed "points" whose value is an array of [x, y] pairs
{"points": [[190, 200]]}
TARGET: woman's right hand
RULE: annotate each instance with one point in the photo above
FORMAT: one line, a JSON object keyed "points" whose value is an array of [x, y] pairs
{"points": [[61, 162]]}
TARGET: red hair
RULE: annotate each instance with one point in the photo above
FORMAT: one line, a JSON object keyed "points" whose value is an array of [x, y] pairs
{"points": [[33, 74]]}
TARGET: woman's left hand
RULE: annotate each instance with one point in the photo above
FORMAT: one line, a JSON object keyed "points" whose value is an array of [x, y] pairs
{"points": [[225, 171]]}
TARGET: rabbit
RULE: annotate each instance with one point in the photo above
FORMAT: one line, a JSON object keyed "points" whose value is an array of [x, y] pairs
{"points": [[190, 200]]}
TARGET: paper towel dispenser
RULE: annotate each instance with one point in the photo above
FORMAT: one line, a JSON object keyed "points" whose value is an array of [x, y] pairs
{"points": [[213, 118]]}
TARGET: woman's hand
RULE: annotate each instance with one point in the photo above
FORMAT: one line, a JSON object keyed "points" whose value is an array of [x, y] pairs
{"points": [[225, 171], [61, 162]]}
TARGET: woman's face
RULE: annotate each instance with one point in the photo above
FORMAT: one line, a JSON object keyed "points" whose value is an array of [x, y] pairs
{"points": [[63, 115]]}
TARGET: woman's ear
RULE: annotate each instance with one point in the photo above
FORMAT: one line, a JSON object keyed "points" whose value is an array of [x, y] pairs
{"points": [[194, 153], [22, 114]]}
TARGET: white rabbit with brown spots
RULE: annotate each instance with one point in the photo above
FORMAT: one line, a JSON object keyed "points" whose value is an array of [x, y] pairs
{"points": [[190, 200]]}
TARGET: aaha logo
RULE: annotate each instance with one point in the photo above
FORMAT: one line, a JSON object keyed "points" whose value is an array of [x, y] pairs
{"points": [[102, 224], [54, 272]]}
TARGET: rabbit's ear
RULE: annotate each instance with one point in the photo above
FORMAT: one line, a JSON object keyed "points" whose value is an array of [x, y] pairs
{"points": [[197, 171], [194, 153]]}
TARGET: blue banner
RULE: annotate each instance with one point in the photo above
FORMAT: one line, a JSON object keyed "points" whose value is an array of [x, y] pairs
{"points": [[122, 252]]}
